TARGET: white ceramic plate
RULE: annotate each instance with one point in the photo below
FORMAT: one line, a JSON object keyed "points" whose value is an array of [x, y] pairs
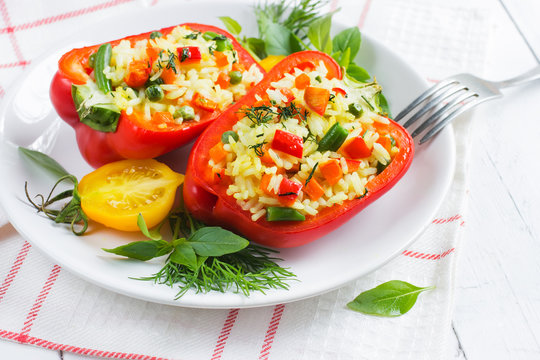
{"points": [[373, 237]]}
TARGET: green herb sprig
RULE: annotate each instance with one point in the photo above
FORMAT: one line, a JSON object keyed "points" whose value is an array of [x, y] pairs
{"points": [[206, 258]]}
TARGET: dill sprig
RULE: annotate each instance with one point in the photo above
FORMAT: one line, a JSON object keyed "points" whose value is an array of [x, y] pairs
{"points": [[291, 111], [311, 174], [169, 62], [259, 115], [246, 269], [251, 269], [258, 148]]}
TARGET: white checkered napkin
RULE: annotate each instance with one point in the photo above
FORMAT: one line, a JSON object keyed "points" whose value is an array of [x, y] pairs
{"points": [[41, 304]]}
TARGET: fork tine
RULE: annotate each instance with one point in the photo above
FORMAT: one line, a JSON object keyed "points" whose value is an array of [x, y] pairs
{"points": [[442, 112], [429, 92], [441, 124], [445, 96]]}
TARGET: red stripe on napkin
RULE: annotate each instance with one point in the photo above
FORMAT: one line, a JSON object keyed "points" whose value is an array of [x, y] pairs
{"points": [[34, 311], [2, 92], [64, 16], [225, 332], [16, 264], [447, 220], [419, 255], [364, 13], [10, 31], [83, 351], [14, 64], [271, 332]]}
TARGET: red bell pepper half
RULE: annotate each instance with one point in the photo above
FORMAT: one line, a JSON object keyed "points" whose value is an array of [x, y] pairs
{"points": [[134, 137], [210, 202]]}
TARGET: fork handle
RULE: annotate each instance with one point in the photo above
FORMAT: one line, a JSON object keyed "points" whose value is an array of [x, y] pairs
{"points": [[531, 75]]}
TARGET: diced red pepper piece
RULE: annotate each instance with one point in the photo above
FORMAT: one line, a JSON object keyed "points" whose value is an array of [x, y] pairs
{"points": [[331, 170], [356, 148], [288, 191], [339, 91], [352, 165], [288, 94], [204, 103], [288, 143], [317, 99], [189, 54], [314, 189]]}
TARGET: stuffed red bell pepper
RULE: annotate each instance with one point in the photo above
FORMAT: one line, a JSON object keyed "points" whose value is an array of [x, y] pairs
{"points": [[299, 155], [145, 95]]}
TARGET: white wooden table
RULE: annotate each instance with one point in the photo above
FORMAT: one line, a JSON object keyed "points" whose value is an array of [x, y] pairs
{"points": [[497, 304]]}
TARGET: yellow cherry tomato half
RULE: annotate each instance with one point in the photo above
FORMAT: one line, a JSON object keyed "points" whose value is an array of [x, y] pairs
{"points": [[116, 193]]}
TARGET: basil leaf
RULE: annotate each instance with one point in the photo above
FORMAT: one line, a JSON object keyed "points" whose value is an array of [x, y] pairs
{"points": [[184, 254], [319, 33], [216, 241], [151, 234], [358, 73], [142, 250], [392, 298], [44, 161], [232, 25], [277, 38], [348, 39], [343, 59], [257, 46]]}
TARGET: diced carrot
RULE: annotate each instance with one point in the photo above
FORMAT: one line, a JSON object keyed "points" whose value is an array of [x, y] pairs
{"points": [[138, 73], [214, 175], [352, 165], [241, 113], [169, 75], [265, 181], [314, 189], [266, 158], [153, 54], [221, 59], [317, 99], [385, 142], [160, 119], [217, 153], [331, 171], [223, 80], [302, 81], [238, 67], [356, 148], [204, 103], [263, 102]]}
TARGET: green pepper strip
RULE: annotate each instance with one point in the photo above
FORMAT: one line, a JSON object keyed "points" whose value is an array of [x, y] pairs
{"points": [[103, 59], [277, 213], [333, 138]]}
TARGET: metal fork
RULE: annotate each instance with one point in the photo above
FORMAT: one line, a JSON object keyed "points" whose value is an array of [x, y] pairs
{"points": [[453, 96]]}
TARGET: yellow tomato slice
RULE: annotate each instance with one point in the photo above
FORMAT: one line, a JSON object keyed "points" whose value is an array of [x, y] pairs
{"points": [[116, 193]]}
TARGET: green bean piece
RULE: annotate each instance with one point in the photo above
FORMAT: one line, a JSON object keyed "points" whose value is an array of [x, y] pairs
{"points": [[355, 109], [333, 138], [155, 34], [278, 213], [154, 93], [227, 134], [223, 44], [185, 112], [235, 77], [103, 59]]}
